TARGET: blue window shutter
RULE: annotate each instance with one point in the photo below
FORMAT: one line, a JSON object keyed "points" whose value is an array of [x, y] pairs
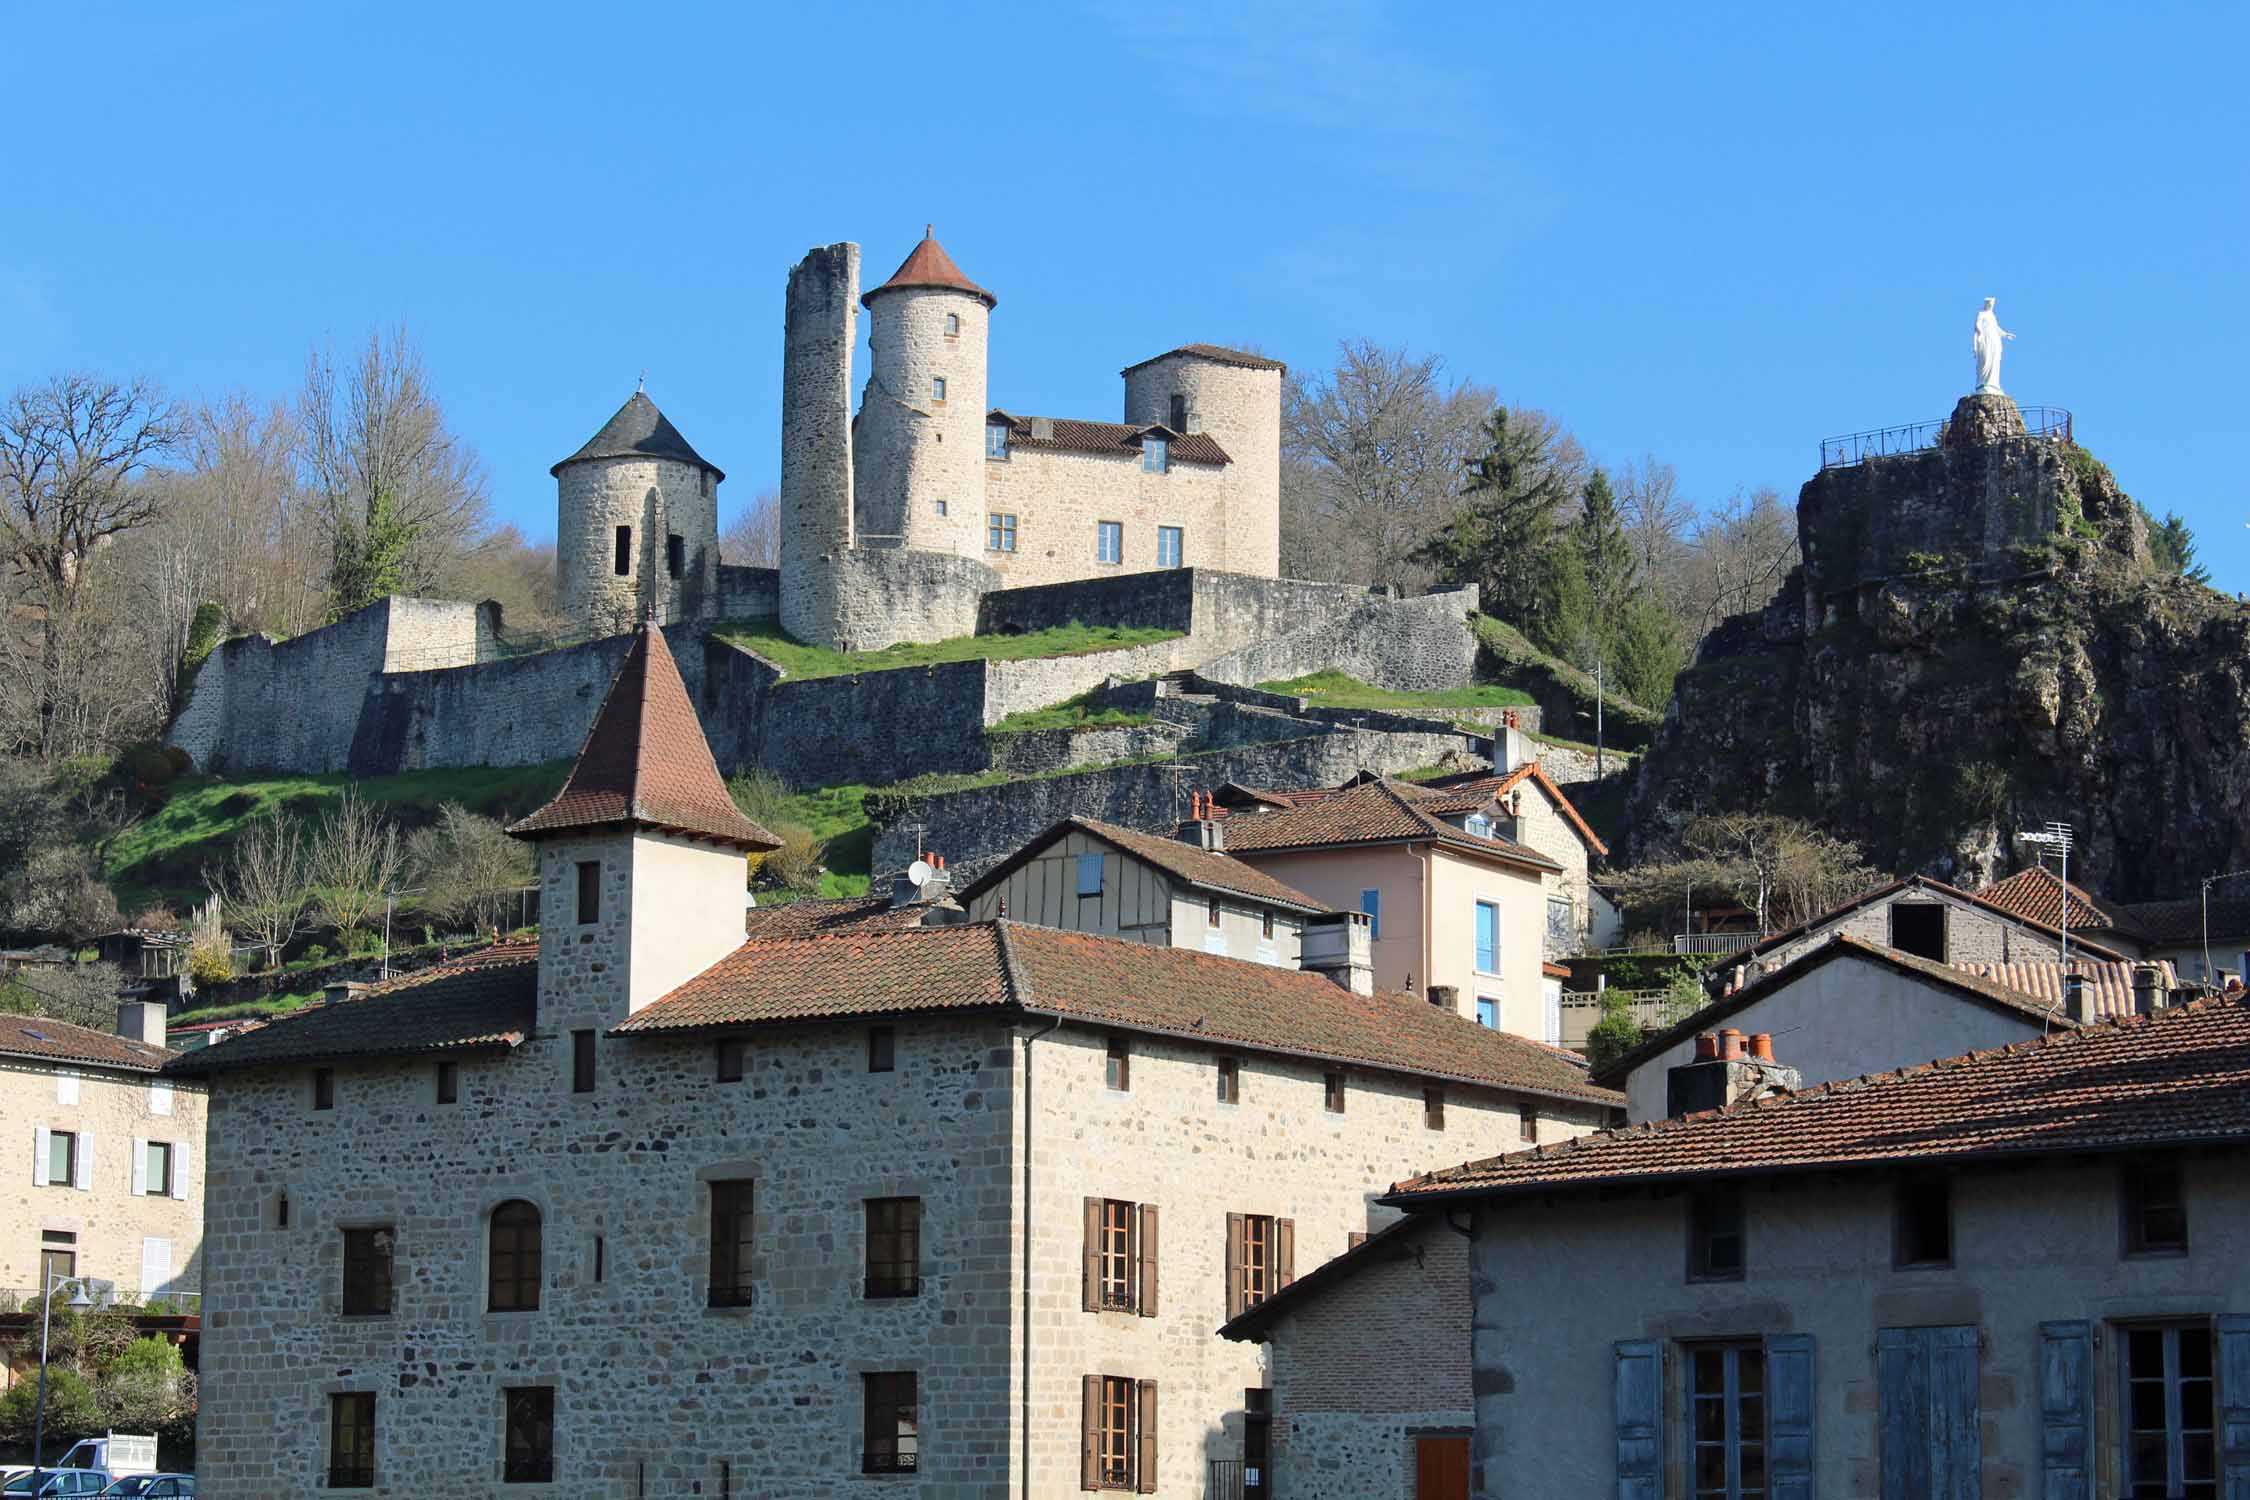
{"points": [[2234, 1407], [2066, 1408], [1956, 1435], [1640, 1419], [1902, 1383], [1789, 1415]]}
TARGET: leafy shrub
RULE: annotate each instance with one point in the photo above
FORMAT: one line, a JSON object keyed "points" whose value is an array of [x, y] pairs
{"points": [[1615, 1034], [210, 966], [73, 1411]]}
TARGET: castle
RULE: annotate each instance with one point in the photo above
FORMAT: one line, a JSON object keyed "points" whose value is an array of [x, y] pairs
{"points": [[896, 522]]}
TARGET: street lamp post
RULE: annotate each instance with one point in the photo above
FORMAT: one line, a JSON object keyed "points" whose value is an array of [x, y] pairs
{"points": [[78, 1299]]}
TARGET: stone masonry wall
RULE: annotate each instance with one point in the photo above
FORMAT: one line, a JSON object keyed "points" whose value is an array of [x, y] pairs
{"points": [[294, 705], [1241, 408], [972, 828], [819, 327], [1059, 498], [653, 499], [866, 600], [1408, 645], [109, 1110], [912, 449], [748, 593], [1035, 682], [872, 727]]}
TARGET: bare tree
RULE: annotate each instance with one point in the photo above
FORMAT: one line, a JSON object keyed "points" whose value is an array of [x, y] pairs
{"points": [[353, 861], [518, 575], [373, 446], [753, 538], [73, 459], [1784, 870], [262, 886], [1742, 551], [467, 867], [1656, 518], [1374, 453]]}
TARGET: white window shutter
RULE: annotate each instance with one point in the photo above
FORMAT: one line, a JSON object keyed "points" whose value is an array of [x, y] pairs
{"points": [[85, 1162], [40, 1135], [180, 1150], [140, 1166], [156, 1268], [66, 1087], [159, 1097]]}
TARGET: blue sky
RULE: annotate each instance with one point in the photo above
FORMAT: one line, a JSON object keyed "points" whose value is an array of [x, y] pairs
{"points": [[1715, 234]]}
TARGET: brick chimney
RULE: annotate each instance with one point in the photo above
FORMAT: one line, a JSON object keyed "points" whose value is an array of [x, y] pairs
{"points": [[1339, 946], [2078, 1001], [1202, 828], [337, 991], [1724, 1071], [142, 1021], [2148, 989], [938, 887], [1446, 997]]}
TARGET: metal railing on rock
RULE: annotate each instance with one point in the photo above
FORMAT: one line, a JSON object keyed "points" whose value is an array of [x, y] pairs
{"points": [[2043, 423]]}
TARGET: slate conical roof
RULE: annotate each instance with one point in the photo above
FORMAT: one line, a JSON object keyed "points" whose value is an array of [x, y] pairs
{"points": [[929, 267], [646, 764], [639, 430]]}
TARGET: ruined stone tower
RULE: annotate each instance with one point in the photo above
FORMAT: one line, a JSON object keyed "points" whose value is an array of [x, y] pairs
{"points": [[636, 525], [918, 444], [818, 330]]}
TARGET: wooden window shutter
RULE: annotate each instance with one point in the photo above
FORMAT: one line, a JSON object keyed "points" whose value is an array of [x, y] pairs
{"points": [[1640, 1419], [2066, 1406], [1148, 1261], [2234, 1403], [1234, 1265], [1284, 1252], [1789, 1416], [40, 1135], [1144, 1472], [1090, 1434], [1093, 1255]]}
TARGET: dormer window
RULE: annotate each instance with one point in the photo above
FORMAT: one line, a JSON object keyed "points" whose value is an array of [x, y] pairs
{"points": [[1156, 455], [996, 440], [1478, 824]]}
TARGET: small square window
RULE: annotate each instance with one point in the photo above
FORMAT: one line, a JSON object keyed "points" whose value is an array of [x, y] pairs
{"points": [[1332, 1092], [1168, 546], [1488, 1012], [1924, 1223], [730, 1056], [1230, 1081], [589, 891], [941, 507], [995, 440], [582, 1062], [1433, 1109], [937, 387], [1089, 874], [952, 325], [882, 1049], [158, 1170], [1716, 1235], [1119, 1069], [324, 1088], [448, 1082], [1109, 541], [999, 533], [2155, 1209]]}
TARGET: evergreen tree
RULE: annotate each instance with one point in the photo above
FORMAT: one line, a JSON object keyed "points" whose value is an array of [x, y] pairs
{"points": [[1650, 653], [1606, 560], [1507, 534], [369, 563], [2172, 546]]}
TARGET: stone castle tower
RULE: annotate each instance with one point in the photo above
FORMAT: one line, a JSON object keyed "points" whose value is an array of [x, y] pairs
{"points": [[636, 525]]}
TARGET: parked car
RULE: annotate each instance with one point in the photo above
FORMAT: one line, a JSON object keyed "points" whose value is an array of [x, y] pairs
{"points": [[154, 1486], [58, 1482]]}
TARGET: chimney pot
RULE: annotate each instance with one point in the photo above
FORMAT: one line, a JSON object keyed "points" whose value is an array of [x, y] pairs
{"points": [[2077, 1002], [1706, 1046], [2148, 989], [1761, 1045], [1730, 1042]]}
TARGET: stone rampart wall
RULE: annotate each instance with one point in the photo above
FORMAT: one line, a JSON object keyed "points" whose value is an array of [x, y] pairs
{"points": [[518, 712], [292, 706], [974, 827], [1037, 751], [873, 727], [1035, 682], [749, 593], [872, 598], [1407, 645]]}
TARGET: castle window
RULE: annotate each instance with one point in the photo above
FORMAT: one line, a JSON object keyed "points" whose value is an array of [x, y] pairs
{"points": [[623, 566], [882, 1049], [1168, 546], [996, 440], [1109, 541], [351, 1440], [512, 1281], [367, 1273], [589, 891], [582, 1062], [530, 1447], [941, 507], [952, 325], [731, 1225], [999, 533], [448, 1082], [1179, 413], [1156, 455], [937, 387], [675, 555]]}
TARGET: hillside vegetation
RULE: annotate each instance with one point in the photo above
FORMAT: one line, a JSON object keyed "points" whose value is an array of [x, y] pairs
{"points": [[799, 660]]}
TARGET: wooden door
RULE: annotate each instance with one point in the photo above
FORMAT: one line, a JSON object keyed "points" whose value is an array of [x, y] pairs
{"points": [[1441, 1468]]}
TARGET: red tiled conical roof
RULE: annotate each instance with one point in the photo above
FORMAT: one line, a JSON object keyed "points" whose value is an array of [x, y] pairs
{"points": [[646, 763], [929, 267]]}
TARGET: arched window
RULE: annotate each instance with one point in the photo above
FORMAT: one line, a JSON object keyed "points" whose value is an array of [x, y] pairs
{"points": [[514, 1284]]}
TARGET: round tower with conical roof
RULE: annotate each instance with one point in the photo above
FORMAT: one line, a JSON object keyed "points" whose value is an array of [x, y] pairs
{"points": [[918, 442], [636, 525]]}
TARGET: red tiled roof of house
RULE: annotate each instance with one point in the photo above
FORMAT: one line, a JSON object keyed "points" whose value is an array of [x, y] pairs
{"points": [[1112, 439], [1920, 883], [2174, 922], [646, 763], [2109, 987], [1375, 811], [1218, 354], [1203, 869], [1107, 982], [59, 1041], [928, 266], [795, 919], [489, 998], [1466, 794], [2180, 1076], [2037, 893]]}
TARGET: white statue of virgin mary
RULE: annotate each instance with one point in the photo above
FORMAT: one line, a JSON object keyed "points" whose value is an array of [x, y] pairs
{"points": [[1986, 346]]}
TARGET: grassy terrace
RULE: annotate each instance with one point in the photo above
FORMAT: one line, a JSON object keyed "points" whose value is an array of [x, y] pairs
{"points": [[1071, 713], [1334, 689], [801, 661]]}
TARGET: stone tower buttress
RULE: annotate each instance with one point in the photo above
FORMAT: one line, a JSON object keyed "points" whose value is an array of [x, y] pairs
{"points": [[919, 440]]}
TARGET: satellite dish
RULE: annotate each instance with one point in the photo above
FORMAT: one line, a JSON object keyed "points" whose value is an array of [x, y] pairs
{"points": [[919, 873]]}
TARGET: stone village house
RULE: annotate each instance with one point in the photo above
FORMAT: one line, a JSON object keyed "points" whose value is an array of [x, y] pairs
{"points": [[646, 1208], [2014, 1272]]}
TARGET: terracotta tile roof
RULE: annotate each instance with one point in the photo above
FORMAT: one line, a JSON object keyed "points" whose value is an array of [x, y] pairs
{"points": [[489, 998], [1969, 986], [1928, 886], [927, 265], [1108, 982], [1554, 970], [1113, 439], [2174, 922], [1375, 811], [2038, 894], [1186, 863], [2180, 1076], [797, 919], [2109, 987], [1467, 794], [1218, 354], [646, 763], [60, 1041], [639, 430]]}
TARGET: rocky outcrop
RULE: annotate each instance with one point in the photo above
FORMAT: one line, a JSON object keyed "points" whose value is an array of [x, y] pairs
{"points": [[1976, 643]]}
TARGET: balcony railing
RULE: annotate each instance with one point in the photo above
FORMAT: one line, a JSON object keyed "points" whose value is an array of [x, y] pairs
{"points": [[1226, 1478], [2045, 423], [176, 1303], [1712, 942]]}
